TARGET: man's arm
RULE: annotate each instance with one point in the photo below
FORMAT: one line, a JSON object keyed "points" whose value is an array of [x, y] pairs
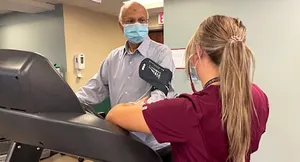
{"points": [[165, 61], [96, 89]]}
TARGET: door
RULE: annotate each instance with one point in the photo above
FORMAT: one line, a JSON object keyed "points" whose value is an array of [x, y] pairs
{"points": [[157, 36]]}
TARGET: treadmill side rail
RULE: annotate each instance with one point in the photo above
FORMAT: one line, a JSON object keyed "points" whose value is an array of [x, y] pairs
{"points": [[84, 135]]}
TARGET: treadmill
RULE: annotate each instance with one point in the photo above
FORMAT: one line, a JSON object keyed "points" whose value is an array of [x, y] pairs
{"points": [[38, 111], [4, 147]]}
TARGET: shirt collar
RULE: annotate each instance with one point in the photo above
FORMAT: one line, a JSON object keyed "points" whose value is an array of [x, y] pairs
{"points": [[143, 48]]}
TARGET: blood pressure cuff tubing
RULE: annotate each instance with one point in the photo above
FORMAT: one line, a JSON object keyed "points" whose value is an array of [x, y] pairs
{"points": [[156, 75]]}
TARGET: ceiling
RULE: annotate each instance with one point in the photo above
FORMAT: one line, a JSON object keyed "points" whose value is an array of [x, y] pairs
{"points": [[110, 7], [27, 6]]}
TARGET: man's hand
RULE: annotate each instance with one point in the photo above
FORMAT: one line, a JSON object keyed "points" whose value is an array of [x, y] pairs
{"points": [[138, 102], [142, 101]]}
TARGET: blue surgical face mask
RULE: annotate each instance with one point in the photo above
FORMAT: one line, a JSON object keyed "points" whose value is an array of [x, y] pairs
{"points": [[193, 69], [194, 73], [135, 33]]}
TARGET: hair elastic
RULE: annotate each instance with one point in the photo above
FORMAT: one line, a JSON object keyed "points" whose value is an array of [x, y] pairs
{"points": [[236, 38]]}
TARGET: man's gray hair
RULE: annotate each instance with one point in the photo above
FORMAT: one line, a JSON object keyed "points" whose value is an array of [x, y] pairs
{"points": [[124, 5]]}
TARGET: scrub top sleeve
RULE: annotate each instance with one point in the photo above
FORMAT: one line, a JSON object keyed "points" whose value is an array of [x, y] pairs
{"points": [[167, 119]]}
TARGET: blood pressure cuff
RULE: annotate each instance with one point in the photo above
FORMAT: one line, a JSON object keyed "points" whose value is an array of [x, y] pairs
{"points": [[156, 75]]}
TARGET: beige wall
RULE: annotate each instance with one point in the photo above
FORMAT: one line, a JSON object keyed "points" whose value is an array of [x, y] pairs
{"points": [[91, 33]]}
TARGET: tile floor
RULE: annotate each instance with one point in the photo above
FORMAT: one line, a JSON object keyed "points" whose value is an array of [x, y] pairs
{"points": [[59, 158]]}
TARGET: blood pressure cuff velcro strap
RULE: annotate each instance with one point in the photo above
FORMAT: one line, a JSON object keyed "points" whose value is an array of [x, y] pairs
{"points": [[156, 75]]}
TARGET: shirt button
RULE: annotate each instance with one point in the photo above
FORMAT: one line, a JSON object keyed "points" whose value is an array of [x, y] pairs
{"points": [[128, 77], [126, 92], [130, 62]]}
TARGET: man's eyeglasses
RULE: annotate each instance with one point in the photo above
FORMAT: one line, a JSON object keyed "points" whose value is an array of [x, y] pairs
{"points": [[133, 21]]}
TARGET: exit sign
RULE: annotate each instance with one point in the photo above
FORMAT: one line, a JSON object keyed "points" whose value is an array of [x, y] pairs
{"points": [[161, 18]]}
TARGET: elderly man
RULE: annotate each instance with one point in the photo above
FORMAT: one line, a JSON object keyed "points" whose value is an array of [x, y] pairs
{"points": [[118, 77]]}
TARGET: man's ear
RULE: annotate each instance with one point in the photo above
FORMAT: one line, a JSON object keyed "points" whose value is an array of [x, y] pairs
{"points": [[121, 27]]}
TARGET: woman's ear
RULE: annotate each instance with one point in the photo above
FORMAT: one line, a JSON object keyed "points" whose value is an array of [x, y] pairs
{"points": [[199, 51], [197, 55], [195, 58]]}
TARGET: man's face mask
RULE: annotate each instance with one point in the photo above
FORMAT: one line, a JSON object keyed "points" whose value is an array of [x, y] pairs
{"points": [[135, 33]]}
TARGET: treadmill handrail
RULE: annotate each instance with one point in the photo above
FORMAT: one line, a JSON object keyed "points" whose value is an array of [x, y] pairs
{"points": [[88, 137]]}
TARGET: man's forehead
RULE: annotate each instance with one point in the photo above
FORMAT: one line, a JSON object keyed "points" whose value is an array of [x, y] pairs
{"points": [[134, 11]]}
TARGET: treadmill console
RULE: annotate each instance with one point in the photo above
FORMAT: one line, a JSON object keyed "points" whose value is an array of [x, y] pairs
{"points": [[30, 83]]}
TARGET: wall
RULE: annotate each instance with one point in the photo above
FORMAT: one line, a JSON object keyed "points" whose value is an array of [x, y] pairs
{"points": [[1, 37], [91, 33], [153, 23], [42, 33], [273, 32]]}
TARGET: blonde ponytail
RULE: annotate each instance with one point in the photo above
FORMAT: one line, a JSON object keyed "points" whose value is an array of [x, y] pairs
{"points": [[236, 94]]}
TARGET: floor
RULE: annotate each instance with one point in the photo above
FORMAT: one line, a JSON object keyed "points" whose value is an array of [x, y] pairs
{"points": [[59, 158]]}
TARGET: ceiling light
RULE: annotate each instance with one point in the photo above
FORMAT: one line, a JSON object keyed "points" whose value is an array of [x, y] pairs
{"points": [[145, 2], [98, 1]]}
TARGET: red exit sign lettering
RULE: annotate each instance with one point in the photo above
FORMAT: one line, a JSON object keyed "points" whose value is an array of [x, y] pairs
{"points": [[161, 18]]}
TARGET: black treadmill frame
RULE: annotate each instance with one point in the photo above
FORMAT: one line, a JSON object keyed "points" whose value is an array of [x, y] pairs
{"points": [[38, 110]]}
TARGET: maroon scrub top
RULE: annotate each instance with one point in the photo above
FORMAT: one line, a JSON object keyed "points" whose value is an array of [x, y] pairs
{"points": [[192, 123]]}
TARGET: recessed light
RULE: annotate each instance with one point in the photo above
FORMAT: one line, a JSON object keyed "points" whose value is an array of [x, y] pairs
{"points": [[144, 2], [98, 1]]}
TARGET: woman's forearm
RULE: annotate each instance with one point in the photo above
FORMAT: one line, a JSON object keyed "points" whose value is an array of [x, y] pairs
{"points": [[128, 116]]}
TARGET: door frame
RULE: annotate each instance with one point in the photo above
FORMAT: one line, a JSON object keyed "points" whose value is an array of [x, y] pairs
{"points": [[156, 28]]}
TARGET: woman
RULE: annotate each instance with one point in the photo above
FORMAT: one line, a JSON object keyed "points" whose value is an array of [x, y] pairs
{"points": [[222, 122]]}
